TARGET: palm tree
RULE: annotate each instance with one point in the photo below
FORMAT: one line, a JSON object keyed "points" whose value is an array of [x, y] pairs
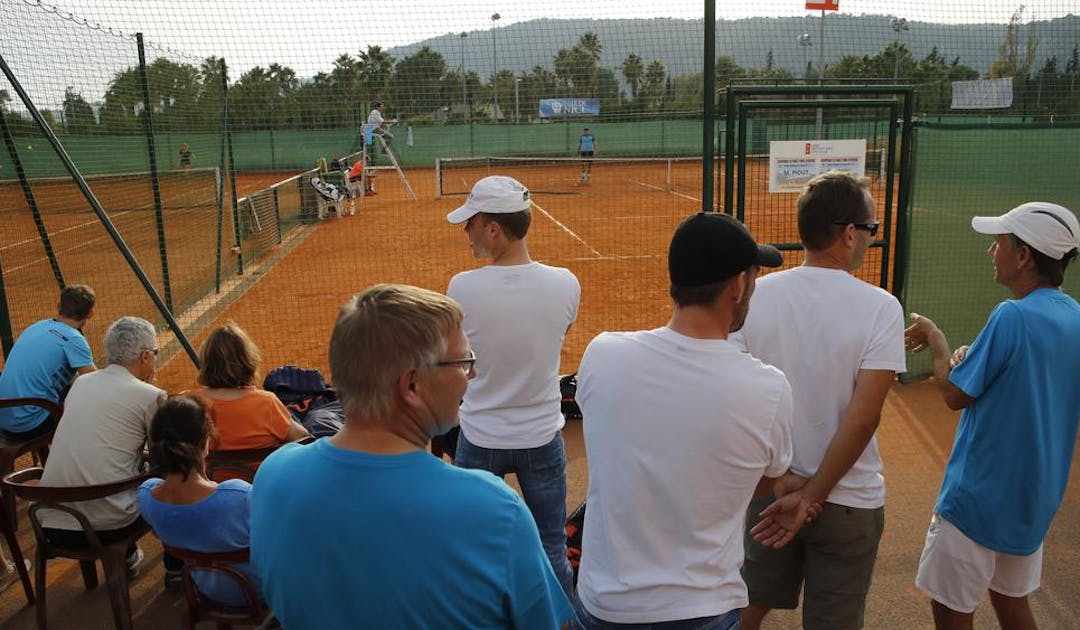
{"points": [[633, 68]]}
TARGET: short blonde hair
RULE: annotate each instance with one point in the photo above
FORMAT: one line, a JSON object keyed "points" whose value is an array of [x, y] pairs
{"points": [[381, 333], [228, 358]]}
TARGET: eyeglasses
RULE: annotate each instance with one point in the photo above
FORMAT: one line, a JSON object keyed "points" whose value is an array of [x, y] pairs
{"points": [[154, 351], [872, 228], [465, 365]]}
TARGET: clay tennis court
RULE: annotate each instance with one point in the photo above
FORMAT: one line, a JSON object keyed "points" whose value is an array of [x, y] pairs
{"points": [[613, 233]]}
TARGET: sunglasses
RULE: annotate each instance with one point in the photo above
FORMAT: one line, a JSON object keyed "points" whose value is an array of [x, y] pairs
{"points": [[872, 228]]}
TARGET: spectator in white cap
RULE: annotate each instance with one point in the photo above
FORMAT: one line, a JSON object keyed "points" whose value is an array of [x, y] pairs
{"points": [[517, 313], [1018, 384]]}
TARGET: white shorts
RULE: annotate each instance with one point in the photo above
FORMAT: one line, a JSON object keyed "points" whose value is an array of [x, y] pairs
{"points": [[957, 571]]}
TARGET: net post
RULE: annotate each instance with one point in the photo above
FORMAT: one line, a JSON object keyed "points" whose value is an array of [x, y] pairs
{"points": [[155, 187], [667, 182], [277, 213], [232, 168], [438, 178], [219, 193]]}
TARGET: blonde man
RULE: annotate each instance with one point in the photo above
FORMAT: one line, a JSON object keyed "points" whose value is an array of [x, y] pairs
{"points": [[394, 537]]}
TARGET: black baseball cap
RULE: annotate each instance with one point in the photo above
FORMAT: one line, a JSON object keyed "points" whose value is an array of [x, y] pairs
{"points": [[709, 247]]}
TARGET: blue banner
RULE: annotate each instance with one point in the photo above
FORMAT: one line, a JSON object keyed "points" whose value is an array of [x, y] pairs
{"points": [[559, 107]]}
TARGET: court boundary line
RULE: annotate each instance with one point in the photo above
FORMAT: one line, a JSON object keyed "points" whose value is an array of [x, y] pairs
{"points": [[568, 230], [662, 189]]}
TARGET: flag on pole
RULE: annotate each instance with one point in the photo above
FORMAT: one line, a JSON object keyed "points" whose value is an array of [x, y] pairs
{"points": [[823, 5]]}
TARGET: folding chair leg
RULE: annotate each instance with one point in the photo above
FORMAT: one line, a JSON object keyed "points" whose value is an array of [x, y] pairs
{"points": [[116, 581], [17, 556], [89, 574], [40, 608]]}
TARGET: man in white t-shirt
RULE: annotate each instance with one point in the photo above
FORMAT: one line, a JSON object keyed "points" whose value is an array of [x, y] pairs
{"points": [[379, 125], [680, 427], [102, 434], [840, 341], [517, 312]]}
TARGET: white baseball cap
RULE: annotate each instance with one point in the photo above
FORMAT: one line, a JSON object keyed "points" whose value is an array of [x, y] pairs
{"points": [[1048, 227], [496, 194]]}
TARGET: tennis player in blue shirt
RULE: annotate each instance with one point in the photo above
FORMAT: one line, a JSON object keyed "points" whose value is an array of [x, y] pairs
{"points": [[587, 147]]}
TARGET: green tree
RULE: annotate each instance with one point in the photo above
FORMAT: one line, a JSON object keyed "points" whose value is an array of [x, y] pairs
{"points": [[633, 68], [78, 114], [417, 82], [1010, 61], [123, 102], [5, 98], [652, 92], [376, 69]]}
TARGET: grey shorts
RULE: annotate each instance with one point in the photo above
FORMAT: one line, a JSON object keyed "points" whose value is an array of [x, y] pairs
{"points": [[834, 556]]}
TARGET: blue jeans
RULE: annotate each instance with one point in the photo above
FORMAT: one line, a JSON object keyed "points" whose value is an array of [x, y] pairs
{"points": [[541, 474], [582, 620]]}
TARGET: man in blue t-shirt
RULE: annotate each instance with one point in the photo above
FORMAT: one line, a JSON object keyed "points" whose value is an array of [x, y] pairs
{"points": [[1019, 386], [369, 526], [587, 147], [44, 360]]}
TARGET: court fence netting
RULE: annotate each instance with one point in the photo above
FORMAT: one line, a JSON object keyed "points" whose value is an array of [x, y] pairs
{"points": [[197, 140]]}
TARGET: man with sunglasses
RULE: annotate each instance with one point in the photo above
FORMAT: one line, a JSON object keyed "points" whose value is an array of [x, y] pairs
{"points": [[1017, 386], [840, 341], [517, 313]]}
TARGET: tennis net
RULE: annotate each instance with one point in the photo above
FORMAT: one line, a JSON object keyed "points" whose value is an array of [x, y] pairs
{"points": [[569, 176], [188, 189]]}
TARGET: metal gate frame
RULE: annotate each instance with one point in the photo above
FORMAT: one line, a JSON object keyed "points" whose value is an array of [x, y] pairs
{"points": [[899, 99]]}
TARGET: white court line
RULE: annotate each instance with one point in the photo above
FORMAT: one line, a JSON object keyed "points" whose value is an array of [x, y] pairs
{"points": [[67, 229], [628, 257], [568, 230], [629, 217], [663, 190]]}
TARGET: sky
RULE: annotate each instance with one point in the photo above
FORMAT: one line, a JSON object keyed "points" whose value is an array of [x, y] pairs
{"points": [[308, 34]]}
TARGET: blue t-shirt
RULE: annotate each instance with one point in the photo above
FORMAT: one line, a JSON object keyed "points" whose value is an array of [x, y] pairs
{"points": [[1010, 460], [217, 523], [585, 142], [345, 539], [41, 364]]}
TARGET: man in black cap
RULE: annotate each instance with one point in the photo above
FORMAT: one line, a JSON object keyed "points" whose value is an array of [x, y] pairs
{"points": [[680, 427]]}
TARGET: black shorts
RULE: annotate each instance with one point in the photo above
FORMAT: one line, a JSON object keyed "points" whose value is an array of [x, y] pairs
{"points": [[585, 154]]}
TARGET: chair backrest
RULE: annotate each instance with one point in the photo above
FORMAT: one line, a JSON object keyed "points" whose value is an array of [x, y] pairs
{"points": [[26, 485], [240, 463], [201, 607], [47, 405], [22, 445]]}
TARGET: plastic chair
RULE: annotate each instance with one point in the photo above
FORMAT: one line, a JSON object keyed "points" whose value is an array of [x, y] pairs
{"points": [[11, 448], [202, 608], [25, 484]]}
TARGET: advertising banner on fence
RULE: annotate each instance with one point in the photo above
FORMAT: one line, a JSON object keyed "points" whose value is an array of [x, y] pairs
{"points": [[560, 107], [982, 94], [793, 163]]}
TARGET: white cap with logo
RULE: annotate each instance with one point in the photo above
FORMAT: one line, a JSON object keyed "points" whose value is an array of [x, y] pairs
{"points": [[1049, 228], [496, 194]]}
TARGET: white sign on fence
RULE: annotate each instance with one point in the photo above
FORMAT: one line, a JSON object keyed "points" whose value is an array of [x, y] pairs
{"points": [[793, 163]]}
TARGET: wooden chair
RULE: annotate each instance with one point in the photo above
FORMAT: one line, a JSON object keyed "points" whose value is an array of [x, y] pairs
{"points": [[240, 463], [202, 608], [11, 449], [26, 485]]}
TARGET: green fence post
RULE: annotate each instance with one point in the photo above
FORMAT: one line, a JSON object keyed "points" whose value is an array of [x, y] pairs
{"points": [[220, 187], [709, 112], [148, 128], [6, 338], [28, 193], [232, 169]]}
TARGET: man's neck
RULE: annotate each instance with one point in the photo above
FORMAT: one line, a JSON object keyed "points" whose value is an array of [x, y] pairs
{"points": [[827, 259], [375, 436], [1027, 285], [513, 253], [77, 324], [701, 322]]}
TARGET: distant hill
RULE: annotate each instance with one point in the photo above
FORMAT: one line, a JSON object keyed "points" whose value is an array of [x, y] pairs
{"points": [[678, 43]]}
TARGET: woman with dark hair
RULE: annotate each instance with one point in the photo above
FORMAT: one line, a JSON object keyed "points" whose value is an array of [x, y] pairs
{"points": [[187, 510], [246, 417]]}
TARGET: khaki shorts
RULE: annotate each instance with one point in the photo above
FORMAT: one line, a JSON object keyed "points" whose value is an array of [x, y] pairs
{"points": [[834, 556], [956, 571]]}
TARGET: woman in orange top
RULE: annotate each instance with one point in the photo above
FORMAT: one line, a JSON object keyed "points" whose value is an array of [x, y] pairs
{"points": [[246, 417]]}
